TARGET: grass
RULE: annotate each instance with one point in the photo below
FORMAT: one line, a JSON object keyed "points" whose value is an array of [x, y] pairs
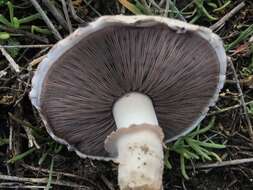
{"points": [[50, 175], [16, 23], [191, 147], [225, 138], [244, 35]]}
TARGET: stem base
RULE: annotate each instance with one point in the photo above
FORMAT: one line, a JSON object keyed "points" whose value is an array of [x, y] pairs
{"points": [[140, 157]]}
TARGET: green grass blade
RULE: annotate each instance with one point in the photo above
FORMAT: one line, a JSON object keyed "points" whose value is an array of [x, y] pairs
{"points": [[4, 21], [222, 7], [131, 7], [15, 22], [143, 8], [191, 155], [3, 2], [24, 123], [57, 148], [4, 35], [198, 149], [175, 9], [209, 145], [210, 153], [243, 35], [4, 141], [216, 156], [204, 130], [178, 143], [210, 17], [182, 152], [202, 10], [195, 18], [166, 160], [11, 11], [21, 156], [50, 175], [29, 18], [40, 30], [43, 157], [213, 5], [182, 167]]}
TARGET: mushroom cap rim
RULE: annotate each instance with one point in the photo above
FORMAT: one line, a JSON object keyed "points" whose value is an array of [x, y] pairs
{"points": [[62, 46]]}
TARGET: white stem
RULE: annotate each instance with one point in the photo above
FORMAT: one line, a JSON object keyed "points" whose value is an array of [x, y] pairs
{"points": [[138, 142], [134, 108], [140, 157]]}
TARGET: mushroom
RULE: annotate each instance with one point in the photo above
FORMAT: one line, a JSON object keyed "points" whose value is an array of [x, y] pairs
{"points": [[122, 86]]}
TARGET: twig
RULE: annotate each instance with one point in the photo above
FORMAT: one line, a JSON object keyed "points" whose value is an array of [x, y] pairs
{"points": [[11, 61], [27, 46], [107, 182], [10, 138], [37, 60], [161, 2], [65, 10], [73, 13], [152, 2], [46, 19], [242, 99], [56, 13], [243, 82], [31, 139], [225, 18], [40, 180], [92, 8], [28, 34], [180, 16], [9, 88], [225, 163], [251, 39], [3, 73], [55, 173], [19, 186], [183, 184], [228, 108]]}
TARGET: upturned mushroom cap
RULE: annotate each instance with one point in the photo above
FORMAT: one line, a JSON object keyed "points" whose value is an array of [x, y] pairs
{"points": [[180, 66]]}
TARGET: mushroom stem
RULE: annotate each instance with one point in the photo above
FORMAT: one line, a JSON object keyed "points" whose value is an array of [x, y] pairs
{"points": [[138, 142], [140, 158], [134, 108]]}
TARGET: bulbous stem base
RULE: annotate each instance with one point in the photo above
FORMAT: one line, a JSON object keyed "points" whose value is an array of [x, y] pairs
{"points": [[140, 158]]}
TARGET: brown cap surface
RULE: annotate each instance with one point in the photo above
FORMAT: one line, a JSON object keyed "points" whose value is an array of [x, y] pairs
{"points": [[177, 66]]}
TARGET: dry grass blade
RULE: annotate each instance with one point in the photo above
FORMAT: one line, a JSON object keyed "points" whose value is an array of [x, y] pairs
{"points": [[228, 108], [27, 46], [224, 19], [73, 13], [56, 13], [41, 181], [14, 185], [25, 33], [50, 175], [250, 130], [131, 7], [65, 10], [46, 19], [225, 163], [11, 61]]}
